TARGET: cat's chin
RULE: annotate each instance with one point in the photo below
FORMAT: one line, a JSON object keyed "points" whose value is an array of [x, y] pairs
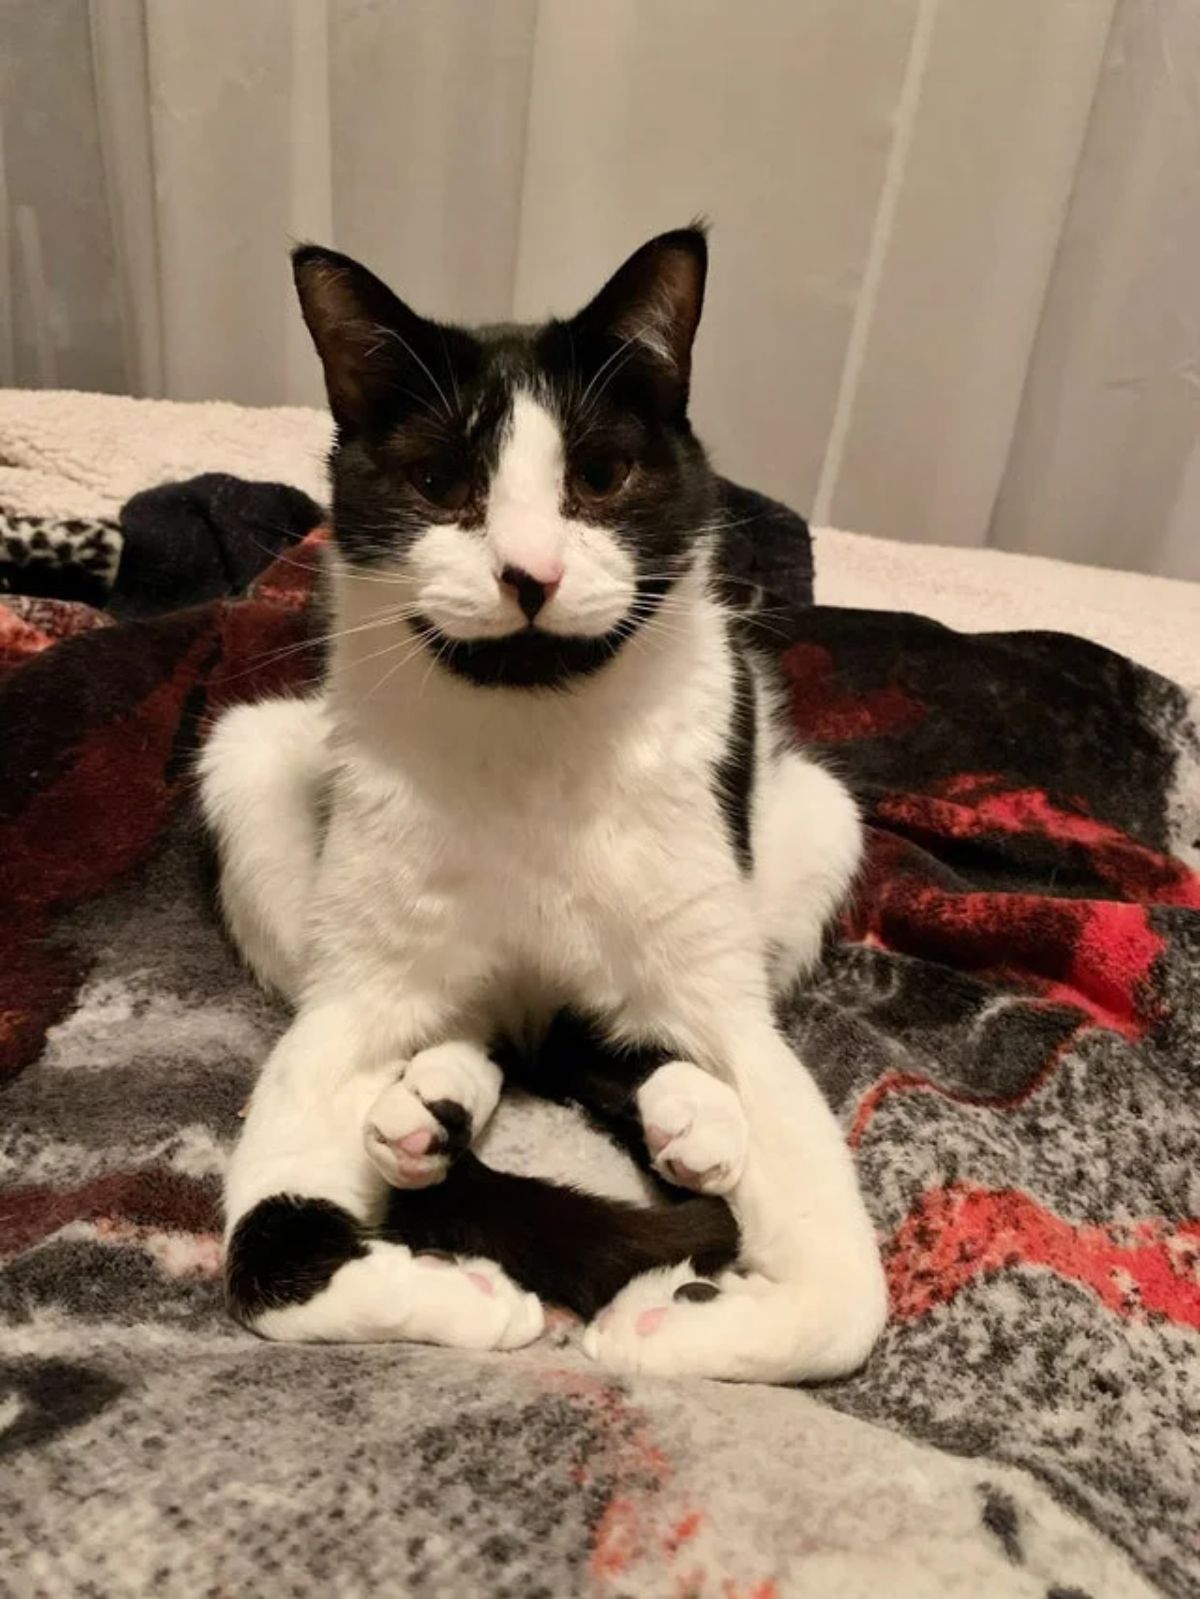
{"points": [[528, 659]]}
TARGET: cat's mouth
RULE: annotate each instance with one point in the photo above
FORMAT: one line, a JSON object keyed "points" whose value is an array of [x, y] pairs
{"points": [[533, 657], [529, 657]]}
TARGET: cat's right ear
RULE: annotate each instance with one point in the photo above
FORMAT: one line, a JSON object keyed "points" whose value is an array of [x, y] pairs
{"points": [[651, 308], [367, 338]]}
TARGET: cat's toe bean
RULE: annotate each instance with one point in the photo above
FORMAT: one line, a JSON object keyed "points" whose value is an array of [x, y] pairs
{"points": [[649, 1321], [643, 1308], [518, 1314], [471, 1303], [429, 1115], [697, 1293], [417, 1143], [405, 1140]]}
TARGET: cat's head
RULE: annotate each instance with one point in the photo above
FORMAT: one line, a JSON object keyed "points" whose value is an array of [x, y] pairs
{"points": [[534, 491]]}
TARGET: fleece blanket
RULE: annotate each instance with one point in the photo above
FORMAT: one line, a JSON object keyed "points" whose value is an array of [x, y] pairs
{"points": [[1008, 1026]]}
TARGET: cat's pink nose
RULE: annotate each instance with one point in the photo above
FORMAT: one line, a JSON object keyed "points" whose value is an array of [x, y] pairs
{"points": [[532, 590]]}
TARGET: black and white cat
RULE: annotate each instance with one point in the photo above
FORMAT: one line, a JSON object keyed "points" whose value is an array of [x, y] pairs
{"points": [[543, 804]]}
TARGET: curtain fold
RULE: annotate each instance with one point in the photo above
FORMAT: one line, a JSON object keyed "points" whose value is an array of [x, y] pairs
{"points": [[954, 294], [117, 35], [1105, 462]]}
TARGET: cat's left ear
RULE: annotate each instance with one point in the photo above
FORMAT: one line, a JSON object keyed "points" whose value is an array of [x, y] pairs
{"points": [[652, 305]]}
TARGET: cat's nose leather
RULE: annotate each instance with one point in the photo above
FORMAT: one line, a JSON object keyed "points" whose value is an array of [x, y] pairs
{"points": [[531, 593]]}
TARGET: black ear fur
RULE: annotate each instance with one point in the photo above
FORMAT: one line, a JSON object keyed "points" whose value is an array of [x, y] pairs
{"points": [[375, 350], [652, 304]]}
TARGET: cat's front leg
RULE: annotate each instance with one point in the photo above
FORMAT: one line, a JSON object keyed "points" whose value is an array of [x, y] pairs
{"points": [[304, 1260], [809, 1300], [438, 1105]]}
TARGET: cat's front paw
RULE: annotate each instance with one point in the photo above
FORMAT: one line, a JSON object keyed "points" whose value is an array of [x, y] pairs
{"points": [[429, 1116], [694, 1126]]}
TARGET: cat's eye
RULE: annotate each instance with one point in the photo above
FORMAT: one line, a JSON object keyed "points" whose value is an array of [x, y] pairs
{"points": [[442, 483], [600, 476]]}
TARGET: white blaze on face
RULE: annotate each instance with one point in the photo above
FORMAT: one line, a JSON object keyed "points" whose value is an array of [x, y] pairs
{"points": [[525, 524], [455, 571]]}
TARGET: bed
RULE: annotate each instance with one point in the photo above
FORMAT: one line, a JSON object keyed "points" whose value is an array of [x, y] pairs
{"points": [[1008, 1026]]}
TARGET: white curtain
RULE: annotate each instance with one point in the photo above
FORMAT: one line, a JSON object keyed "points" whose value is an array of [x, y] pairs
{"points": [[955, 293]]}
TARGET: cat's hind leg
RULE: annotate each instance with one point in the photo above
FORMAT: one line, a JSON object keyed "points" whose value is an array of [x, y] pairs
{"points": [[305, 1260], [263, 772], [811, 1300], [808, 845]]}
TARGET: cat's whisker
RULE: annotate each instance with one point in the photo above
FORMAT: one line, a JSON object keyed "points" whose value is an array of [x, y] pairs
{"points": [[394, 333], [316, 641], [450, 370], [332, 556], [419, 643], [625, 350], [383, 619], [660, 624], [436, 655], [416, 640], [600, 371], [276, 557]]}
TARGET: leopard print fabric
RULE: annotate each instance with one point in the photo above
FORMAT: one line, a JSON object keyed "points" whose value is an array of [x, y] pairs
{"points": [[73, 559]]}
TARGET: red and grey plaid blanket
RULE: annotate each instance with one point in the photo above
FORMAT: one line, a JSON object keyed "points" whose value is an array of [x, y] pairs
{"points": [[1009, 1026]]}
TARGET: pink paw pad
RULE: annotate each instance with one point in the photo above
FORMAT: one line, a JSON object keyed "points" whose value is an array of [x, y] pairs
{"points": [[484, 1284], [416, 1143], [650, 1321]]}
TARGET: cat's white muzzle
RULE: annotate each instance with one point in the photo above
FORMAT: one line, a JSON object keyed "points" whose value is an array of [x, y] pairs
{"points": [[460, 584]]}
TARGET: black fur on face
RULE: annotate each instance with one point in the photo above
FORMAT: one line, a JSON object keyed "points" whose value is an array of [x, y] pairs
{"points": [[424, 411]]}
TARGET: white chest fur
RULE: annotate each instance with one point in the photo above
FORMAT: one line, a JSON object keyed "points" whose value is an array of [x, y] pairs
{"points": [[567, 844]]}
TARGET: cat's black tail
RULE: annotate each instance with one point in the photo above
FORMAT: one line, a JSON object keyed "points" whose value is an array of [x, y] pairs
{"points": [[570, 1248]]}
